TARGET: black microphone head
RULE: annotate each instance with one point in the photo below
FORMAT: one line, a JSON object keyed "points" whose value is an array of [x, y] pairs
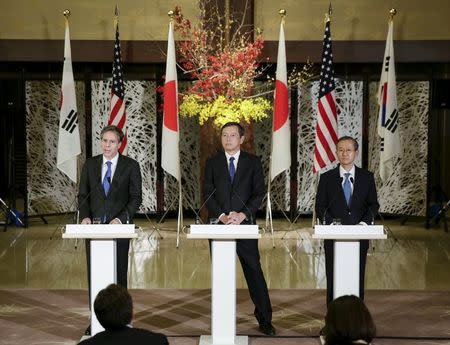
{"points": [[351, 180]]}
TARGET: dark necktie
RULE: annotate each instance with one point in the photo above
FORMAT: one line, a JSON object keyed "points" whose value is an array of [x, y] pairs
{"points": [[231, 169], [347, 188], [107, 178]]}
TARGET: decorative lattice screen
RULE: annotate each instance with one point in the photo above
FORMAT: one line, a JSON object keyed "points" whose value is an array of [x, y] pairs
{"points": [[49, 190], [349, 97], [405, 190]]}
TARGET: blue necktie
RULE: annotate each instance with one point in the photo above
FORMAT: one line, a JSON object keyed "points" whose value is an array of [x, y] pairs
{"points": [[347, 188], [107, 178], [231, 168]]}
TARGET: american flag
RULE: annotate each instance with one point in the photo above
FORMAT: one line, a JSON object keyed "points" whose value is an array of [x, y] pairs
{"points": [[326, 128], [118, 113]]}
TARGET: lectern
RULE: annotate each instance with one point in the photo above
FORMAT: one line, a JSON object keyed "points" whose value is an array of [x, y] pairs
{"points": [[103, 256], [346, 253], [223, 279]]}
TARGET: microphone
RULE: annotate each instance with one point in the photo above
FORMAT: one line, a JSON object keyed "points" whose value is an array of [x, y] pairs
{"points": [[243, 203], [197, 215], [371, 212], [324, 220]]}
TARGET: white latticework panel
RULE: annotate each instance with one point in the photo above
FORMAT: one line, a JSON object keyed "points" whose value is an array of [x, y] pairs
{"points": [[349, 97], [405, 190], [140, 101], [49, 190]]}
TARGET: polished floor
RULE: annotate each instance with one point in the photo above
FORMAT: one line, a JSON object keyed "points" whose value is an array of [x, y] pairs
{"points": [[412, 258]]}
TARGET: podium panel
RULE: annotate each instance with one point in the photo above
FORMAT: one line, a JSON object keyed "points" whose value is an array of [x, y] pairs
{"points": [[103, 256], [223, 279], [346, 253]]}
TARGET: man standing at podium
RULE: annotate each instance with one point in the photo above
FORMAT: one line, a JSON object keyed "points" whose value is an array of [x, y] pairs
{"points": [[346, 195], [233, 190], [110, 192]]}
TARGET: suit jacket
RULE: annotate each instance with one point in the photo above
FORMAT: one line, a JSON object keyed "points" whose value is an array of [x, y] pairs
{"points": [[125, 336], [244, 194], [124, 196], [330, 199]]}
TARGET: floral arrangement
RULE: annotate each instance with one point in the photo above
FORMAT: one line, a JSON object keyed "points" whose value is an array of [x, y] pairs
{"points": [[223, 70]]}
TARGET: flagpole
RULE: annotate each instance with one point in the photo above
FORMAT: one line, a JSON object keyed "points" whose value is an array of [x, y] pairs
{"points": [[269, 219], [180, 226]]}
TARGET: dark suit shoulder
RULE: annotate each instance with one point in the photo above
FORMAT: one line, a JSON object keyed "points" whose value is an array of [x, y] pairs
{"points": [[247, 155], [94, 159], [363, 172], [127, 335], [127, 159], [330, 173]]}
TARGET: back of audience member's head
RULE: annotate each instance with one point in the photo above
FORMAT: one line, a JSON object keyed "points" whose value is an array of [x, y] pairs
{"points": [[113, 307], [347, 321]]}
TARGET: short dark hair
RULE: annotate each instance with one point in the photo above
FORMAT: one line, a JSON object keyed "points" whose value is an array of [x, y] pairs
{"points": [[113, 307], [346, 137], [347, 320], [112, 128], [237, 124]]}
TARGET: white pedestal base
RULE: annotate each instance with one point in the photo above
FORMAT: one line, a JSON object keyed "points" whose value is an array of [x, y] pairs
{"points": [[103, 273], [346, 268], [223, 279], [223, 291], [238, 340]]}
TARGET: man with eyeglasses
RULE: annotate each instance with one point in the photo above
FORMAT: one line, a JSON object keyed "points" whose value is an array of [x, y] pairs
{"points": [[346, 195]]}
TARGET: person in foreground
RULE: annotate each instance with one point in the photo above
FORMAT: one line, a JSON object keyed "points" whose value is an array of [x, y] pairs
{"points": [[110, 191], [233, 190], [113, 307], [348, 321], [347, 195]]}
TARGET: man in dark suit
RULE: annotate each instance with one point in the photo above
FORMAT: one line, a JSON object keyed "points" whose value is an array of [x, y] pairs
{"points": [[110, 191], [114, 309], [234, 188], [347, 195]]}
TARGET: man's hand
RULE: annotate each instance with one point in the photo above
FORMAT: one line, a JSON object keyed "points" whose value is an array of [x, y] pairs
{"points": [[86, 221], [236, 218], [224, 218], [115, 221]]}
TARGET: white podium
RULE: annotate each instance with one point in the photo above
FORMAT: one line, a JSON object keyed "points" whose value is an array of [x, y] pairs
{"points": [[103, 256], [223, 279], [346, 253]]}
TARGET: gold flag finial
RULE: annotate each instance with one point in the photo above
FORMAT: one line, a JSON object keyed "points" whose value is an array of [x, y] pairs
{"points": [[392, 12], [66, 13], [328, 14], [171, 14], [116, 12], [282, 13]]}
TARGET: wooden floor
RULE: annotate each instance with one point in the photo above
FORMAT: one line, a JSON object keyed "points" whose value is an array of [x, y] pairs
{"points": [[43, 297]]}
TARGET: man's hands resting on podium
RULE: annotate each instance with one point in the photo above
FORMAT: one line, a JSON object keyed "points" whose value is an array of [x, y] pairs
{"points": [[88, 221], [233, 218]]}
